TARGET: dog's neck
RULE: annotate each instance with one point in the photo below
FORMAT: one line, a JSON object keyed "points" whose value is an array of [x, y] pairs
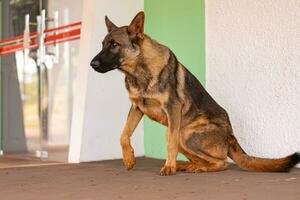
{"points": [[154, 55], [147, 66]]}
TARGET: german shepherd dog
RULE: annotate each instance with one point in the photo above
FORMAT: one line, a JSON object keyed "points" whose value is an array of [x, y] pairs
{"points": [[160, 87]]}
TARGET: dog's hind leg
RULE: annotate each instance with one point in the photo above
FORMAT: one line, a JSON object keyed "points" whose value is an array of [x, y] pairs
{"points": [[206, 147], [201, 167], [197, 164]]}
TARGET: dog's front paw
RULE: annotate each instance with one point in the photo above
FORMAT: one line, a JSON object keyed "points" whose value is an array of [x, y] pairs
{"points": [[128, 158], [129, 163], [167, 170]]}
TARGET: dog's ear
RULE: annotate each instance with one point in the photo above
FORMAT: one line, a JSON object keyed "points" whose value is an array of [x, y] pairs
{"points": [[109, 25], [136, 26]]}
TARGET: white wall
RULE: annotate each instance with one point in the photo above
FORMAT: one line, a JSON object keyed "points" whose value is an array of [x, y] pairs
{"points": [[253, 70], [101, 101]]}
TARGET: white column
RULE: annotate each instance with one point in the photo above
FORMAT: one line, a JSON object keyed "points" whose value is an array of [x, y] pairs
{"points": [[101, 102]]}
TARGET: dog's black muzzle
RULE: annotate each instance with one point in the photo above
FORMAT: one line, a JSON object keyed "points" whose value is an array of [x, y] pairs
{"points": [[101, 66], [102, 69]]}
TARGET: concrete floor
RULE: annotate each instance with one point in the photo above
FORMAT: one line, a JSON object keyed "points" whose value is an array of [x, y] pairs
{"points": [[108, 180], [23, 160]]}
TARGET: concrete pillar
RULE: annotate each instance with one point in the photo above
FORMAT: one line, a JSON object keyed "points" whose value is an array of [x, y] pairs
{"points": [[101, 102]]}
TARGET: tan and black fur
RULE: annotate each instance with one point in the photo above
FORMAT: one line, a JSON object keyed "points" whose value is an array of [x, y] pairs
{"points": [[160, 87]]}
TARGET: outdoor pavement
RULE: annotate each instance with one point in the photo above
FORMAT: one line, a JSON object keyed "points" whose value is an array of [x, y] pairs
{"points": [[108, 180]]}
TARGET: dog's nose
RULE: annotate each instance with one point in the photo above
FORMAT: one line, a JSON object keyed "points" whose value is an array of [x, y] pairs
{"points": [[95, 63]]}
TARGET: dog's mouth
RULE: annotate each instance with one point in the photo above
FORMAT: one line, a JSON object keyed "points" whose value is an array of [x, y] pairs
{"points": [[105, 69]]}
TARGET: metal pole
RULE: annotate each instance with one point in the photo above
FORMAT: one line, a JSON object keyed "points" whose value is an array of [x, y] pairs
{"points": [[38, 19], [26, 40], [44, 87], [56, 47], [41, 93], [66, 56], [44, 78], [41, 5]]}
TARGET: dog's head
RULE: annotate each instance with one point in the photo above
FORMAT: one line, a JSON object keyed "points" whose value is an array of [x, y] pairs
{"points": [[121, 46]]}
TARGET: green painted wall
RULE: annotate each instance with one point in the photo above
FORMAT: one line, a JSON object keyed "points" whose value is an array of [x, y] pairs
{"points": [[180, 26]]}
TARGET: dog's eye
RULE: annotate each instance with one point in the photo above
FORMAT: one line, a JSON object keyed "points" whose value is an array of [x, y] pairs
{"points": [[114, 45]]}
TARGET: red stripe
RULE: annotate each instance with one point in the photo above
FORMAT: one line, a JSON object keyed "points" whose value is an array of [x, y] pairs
{"points": [[18, 38], [16, 47], [61, 41], [49, 40], [62, 27], [63, 35], [10, 40], [34, 34], [10, 49]]}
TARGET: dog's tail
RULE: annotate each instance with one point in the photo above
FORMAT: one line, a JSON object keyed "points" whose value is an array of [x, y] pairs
{"points": [[251, 163]]}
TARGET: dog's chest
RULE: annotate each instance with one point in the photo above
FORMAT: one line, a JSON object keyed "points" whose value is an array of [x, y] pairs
{"points": [[150, 107], [145, 95]]}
